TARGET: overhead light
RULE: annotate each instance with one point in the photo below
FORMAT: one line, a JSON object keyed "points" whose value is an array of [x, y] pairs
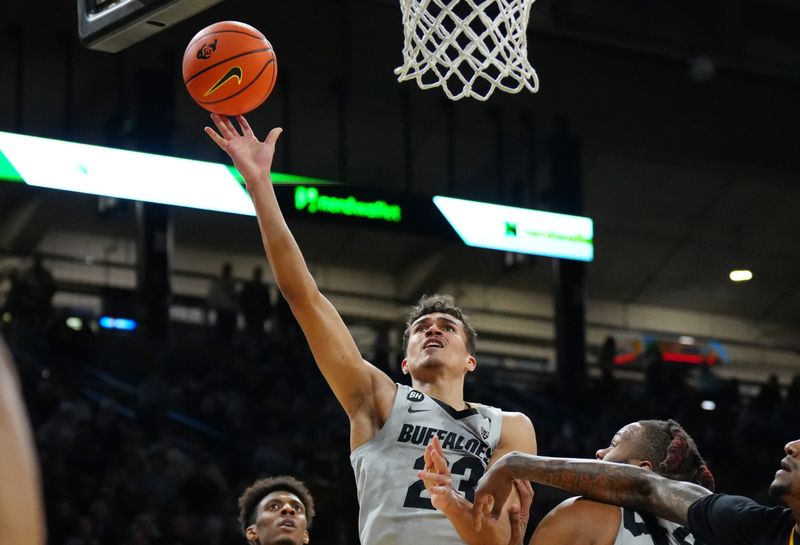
{"points": [[74, 323], [740, 275], [708, 405], [686, 339]]}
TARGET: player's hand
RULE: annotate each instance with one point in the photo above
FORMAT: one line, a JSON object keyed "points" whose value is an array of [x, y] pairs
{"points": [[520, 514], [491, 494], [251, 157], [436, 477]]}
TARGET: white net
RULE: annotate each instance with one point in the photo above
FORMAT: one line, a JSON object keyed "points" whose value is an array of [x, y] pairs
{"points": [[468, 47]]}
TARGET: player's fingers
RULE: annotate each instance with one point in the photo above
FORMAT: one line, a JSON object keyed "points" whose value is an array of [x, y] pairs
{"points": [[272, 137], [487, 506], [434, 477], [525, 491], [427, 457], [246, 130], [477, 516], [221, 142], [513, 514], [222, 126], [437, 445], [439, 463]]}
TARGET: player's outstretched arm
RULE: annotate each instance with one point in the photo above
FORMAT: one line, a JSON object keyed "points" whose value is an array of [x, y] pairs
{"points": [[355, 383], [21, 514], [617, 484]]}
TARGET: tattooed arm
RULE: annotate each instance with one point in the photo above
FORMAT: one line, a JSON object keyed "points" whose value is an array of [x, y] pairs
{"points": [[618, 484]]}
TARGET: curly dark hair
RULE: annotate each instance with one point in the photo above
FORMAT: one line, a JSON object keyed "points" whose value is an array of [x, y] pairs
{"points": [[673, 452], [428, 304], [257, 491]]}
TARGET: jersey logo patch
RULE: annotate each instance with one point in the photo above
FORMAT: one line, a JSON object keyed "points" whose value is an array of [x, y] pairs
{"points": [[415, 396]]}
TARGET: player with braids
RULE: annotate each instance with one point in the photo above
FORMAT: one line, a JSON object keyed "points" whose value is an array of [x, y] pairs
{"points": [[661, 446], [680, 459], [714, 519], [276, 511]]}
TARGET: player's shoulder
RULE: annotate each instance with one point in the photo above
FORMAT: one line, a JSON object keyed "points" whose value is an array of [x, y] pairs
{"points": [[517, 423], [517, 433], [579, 506], [579, 521]]}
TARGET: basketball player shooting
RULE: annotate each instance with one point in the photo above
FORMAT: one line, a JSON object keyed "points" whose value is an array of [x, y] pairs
{"points": [[390, 424]]}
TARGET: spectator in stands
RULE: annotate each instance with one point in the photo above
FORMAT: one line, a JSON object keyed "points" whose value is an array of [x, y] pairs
{"points": [[36, 289], [223, 300], [255, 303], [276, 510]]}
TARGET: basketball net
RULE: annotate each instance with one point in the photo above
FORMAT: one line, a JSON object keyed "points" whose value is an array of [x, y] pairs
{"points": [[468, 47]]}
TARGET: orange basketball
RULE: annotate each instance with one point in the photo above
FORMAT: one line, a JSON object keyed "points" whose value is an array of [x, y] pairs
{"points": [[229, 68]]}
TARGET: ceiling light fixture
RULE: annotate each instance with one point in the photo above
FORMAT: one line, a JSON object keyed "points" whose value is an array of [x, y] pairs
{"points": [[740, 275]]}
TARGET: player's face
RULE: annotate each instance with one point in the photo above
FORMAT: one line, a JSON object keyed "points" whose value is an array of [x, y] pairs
{"points": [[437, 340], [787, 479], [280, 519], [624, 446]]}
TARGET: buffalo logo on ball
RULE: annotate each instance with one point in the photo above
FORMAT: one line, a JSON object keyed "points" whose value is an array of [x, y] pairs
{"points": [[206, 50]]}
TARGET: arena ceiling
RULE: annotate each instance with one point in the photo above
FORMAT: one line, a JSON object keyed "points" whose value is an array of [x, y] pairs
{"points": [[686, 113]]}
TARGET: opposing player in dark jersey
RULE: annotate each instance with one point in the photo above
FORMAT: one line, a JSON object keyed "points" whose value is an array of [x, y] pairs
{"points": [[389, 425], [662, 446], [276, 511], [715, 519], [21, 512], [659, 445]]}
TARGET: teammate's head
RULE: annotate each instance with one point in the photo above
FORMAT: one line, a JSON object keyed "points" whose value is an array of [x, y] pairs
{"points": [[662, 446], [786, 484], [276, 510], [437, 332]]}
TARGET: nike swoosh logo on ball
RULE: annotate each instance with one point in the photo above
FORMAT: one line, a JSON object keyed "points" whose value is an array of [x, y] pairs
{"points": [[234, 72]]}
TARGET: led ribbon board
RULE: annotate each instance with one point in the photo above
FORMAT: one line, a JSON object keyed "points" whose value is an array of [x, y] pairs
{"points": [[124, 174], [520, 230], [311, 200]]}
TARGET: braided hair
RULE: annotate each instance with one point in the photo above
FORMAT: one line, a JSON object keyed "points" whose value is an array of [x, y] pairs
{"points": [[674, 453]]}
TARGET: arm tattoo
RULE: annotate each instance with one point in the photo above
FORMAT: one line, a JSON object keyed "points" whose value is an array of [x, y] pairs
{"points": [[618, 484]]}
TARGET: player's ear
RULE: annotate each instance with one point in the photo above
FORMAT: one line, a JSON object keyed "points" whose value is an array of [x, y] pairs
{"points": [[646, 464], [306, 537], [471, 363], [404, 366], [250, 532]]}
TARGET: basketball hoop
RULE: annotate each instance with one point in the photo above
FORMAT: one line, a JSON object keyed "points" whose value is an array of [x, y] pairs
{"points": [[468, 47]]}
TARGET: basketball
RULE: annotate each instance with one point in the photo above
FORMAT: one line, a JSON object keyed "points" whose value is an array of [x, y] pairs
{"points": [[229, 68]]}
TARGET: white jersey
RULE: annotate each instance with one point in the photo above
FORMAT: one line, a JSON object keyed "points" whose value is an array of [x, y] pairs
{"points": [[395, 508], [645, 529]]}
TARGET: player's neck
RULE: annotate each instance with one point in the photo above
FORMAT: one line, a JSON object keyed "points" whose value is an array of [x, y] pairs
{"points": [[450, 392]]}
